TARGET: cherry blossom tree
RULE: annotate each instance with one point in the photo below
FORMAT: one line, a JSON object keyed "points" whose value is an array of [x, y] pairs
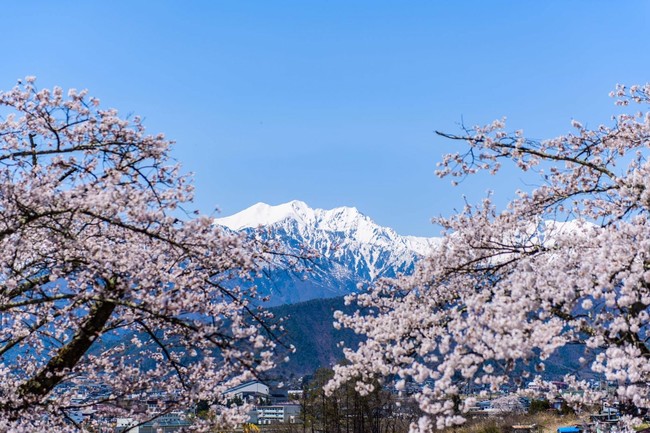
{"points": [[566, 263], [105, 283]]}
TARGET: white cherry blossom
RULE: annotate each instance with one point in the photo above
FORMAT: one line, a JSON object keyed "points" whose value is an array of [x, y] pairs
{"points": [[566, 263], [104, 281]]}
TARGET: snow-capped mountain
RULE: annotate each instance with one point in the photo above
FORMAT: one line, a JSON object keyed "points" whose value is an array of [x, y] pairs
{"points": [[351, 248]]}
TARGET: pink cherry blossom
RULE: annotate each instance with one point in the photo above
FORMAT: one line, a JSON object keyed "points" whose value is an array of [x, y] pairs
{"points": [[104, 281], [566, 263]]}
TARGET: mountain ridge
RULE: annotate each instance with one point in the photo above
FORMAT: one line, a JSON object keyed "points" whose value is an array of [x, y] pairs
{"points": [[351, 248], [340, 219]]}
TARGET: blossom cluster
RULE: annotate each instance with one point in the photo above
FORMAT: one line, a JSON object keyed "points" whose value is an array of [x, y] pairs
{"points": [[566, 263], [105, 280]]}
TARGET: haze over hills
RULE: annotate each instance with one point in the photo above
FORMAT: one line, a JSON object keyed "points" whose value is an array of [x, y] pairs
{"points": [[350, 248]]}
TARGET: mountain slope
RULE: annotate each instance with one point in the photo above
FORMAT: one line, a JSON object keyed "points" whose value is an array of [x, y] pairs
{"points": [[350, 248], [308, 327]]}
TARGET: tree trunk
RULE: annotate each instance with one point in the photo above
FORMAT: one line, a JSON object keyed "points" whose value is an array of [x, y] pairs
{"points": [[69, 355]]}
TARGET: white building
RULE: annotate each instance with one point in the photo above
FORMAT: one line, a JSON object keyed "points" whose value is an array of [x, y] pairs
{"points": [[282, 413], [250, 392]]}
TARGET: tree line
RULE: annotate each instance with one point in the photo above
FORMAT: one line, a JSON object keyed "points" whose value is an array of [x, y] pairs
{"points": [[346, 410]]}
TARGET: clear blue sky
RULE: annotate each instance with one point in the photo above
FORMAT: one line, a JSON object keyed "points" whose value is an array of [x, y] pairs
{"points": [[334, 102]]}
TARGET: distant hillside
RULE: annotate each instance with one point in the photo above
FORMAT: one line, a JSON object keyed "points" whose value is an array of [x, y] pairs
{"points": [[308, 326]]}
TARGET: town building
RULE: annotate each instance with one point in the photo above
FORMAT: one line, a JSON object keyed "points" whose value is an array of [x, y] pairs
{"points": [[281, 413], [254, 392]]}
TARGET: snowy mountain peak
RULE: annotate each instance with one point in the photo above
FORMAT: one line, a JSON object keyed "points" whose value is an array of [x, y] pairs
{"points": [[262, 214], [345, 225], [346, 221], [351, 247]]}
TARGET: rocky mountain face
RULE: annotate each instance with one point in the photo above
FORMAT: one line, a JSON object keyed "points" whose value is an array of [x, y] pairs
{"points": [[350, 249]]}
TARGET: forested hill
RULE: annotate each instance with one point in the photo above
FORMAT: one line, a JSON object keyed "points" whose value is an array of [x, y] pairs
{"points": [[308, 326]]}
